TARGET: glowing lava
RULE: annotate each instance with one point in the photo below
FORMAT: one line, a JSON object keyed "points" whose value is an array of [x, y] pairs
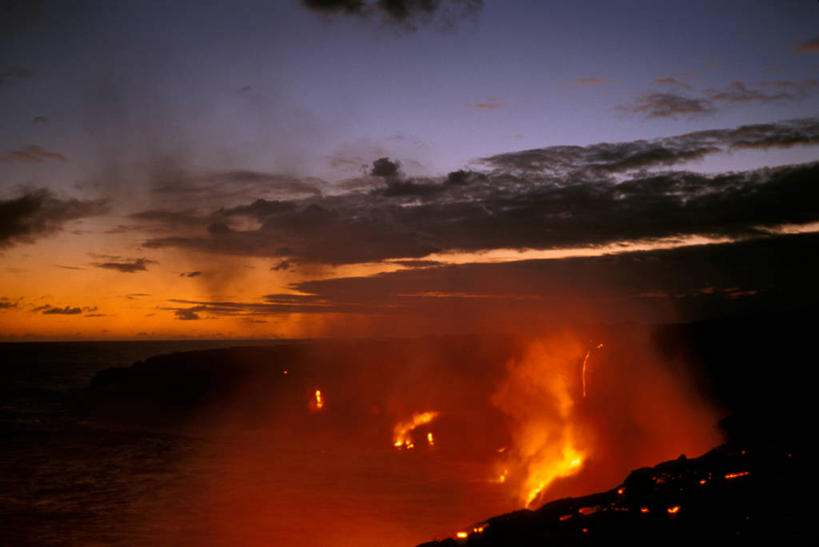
{"points": [[737, 475], [402, 432], [585, 368], [537, 396], [317, 402], [544, 474]]}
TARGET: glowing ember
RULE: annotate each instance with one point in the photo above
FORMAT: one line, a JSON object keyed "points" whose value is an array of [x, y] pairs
{"points": [[673, 510], [317, 401], [461, 535], [644, 509], [621, 491], [565, 517], [430, 439], [402, 438], [737, 475], [502, 476]]}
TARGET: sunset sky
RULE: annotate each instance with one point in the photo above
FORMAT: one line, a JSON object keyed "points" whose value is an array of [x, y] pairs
{"points": [[290, 168]]}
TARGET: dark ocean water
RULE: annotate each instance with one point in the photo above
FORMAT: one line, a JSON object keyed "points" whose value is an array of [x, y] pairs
{"points": [[67, 479]]}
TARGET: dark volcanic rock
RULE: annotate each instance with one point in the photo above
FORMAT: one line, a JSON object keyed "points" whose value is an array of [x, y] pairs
{"points": [[732, 495]]}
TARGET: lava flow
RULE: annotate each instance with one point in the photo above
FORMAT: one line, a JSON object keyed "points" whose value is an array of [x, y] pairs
{"points": [[537, 395], [565, 432], [402, 433], [317, 402]]}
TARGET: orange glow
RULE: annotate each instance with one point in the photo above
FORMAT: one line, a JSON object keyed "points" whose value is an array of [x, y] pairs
{"points": [[430, 439], [703, 481], [565, 517], [543, 474], [502, 476], [562, 444], [644, 509], [461, 535], [317, 401], [673, 510], [737, 475], [537, 393], [401, 435]]}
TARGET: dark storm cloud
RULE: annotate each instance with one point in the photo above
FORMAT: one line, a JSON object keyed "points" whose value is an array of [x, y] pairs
{"points": [[809, 46], [405, 12], [128, 266], [31, 154], [545, 198], [619, 157], [384, 168], [12, 73], [696, 282], [763, 274], [282, 266], [38, 213], [190, 274]]}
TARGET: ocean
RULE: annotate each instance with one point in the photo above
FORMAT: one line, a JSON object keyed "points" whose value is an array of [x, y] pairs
{"points": [[67, 478], [365, 443]]}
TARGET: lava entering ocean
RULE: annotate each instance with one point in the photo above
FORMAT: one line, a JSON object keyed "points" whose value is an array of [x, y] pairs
{"points": [[511, 429], [402, 432], [566, 428]]}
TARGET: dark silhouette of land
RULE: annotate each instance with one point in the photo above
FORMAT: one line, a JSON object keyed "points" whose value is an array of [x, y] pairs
{"points": [[730, 496]]}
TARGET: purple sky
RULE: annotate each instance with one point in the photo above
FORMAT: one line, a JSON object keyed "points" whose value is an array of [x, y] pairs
{"points": [[137, 137]]}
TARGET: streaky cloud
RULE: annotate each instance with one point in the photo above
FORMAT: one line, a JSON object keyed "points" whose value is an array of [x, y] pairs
{"points": [[38, 213]]}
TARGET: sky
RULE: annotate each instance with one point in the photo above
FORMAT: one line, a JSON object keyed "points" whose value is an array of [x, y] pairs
{"points": [[294, 168]]}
